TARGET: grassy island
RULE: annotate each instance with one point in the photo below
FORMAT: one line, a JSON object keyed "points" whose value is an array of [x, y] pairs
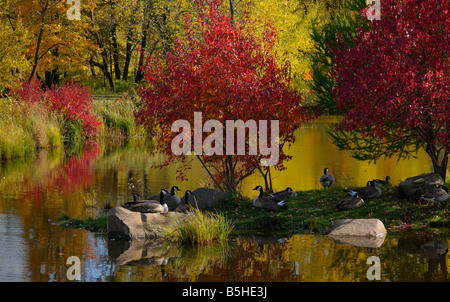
{"points": [[314, 211]]}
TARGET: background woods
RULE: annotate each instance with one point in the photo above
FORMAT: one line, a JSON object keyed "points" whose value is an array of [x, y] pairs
{"points": [[103, 49]]}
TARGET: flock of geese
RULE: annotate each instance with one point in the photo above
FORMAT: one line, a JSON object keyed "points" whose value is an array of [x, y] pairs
{"points": [[168, 201], [164, 202], [277, 201]]}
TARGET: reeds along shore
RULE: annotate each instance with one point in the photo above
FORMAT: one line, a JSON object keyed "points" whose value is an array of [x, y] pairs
{"points": [[26, 127]]}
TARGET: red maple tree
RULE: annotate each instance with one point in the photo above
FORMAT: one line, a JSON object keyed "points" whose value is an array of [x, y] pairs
{"points": [[225, 73], [393, 83]]}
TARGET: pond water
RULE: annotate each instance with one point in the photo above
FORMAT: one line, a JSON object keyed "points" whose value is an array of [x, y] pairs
{"points": [[35, 190]]}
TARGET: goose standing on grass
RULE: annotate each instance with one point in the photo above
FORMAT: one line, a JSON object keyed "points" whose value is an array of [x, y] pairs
{"points": [[327, 180], [285, 194], [351, 202], [149, 206], [438, 194], [383, 183], [268, 202], [185, 205], [171, 199], [368, 192]]}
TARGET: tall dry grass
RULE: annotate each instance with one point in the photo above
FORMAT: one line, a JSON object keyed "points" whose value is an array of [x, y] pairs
{"points": [[201, 228], [25, 128]]}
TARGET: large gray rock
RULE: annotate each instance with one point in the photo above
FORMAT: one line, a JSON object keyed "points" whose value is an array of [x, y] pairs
{"points": [[414, 187], [123, 223], [358, 227], [206, 198]]}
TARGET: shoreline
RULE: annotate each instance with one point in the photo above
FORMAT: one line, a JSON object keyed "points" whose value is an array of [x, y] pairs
{"points": [[313, 212]]}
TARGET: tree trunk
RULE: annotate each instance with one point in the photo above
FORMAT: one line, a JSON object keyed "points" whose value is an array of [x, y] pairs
{"points": [[104, 68], [232, 9], [115, 46], [439, 160], [92, 67], [267, 179], [36, 55], [140, 74], [52, 78], [128, 54], [104, 55]]}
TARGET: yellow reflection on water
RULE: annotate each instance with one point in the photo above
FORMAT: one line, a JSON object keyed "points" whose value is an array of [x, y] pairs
{"points": [[311, 153]]}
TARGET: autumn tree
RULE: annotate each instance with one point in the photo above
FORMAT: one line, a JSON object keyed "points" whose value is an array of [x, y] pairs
{"points": [[14, 65], [294, 21], [344, 17], [54, 44], [393, 83], [225, 73]]}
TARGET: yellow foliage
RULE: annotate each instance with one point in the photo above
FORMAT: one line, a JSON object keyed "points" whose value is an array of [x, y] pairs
{"points": [[293, 20], [13, 63]]}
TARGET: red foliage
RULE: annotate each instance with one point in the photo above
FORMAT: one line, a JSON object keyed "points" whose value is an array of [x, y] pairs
{"points": [[76, 172], [396, 77], [224, 72], [72, 100]]}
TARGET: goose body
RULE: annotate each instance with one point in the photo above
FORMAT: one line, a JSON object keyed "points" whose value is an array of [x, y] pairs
{"points": [[370, 191], [285, 194], [148, 206], [139, 198], [183, 207], [171, 199], [438, 194], [327, 180], [268, 202], [351, 202], [382, 183]]}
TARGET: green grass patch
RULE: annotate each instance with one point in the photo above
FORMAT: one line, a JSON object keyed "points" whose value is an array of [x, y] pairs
{"points": [[310, 212], [314, 212], [97, 225]]}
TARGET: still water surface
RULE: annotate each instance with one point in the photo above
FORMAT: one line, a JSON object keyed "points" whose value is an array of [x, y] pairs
{"points": [[34, 191]]}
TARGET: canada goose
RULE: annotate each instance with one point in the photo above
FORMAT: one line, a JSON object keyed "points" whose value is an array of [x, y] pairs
{"points": [[382, 183], [149, 206], [438, 194], [139, 198], [285, 194], [268, 202], [184, 206], [351, 202], [370, 191], [171, 199], [327, 180]]}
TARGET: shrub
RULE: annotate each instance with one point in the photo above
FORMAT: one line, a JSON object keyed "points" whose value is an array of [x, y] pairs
{"points": [[71, 100]]}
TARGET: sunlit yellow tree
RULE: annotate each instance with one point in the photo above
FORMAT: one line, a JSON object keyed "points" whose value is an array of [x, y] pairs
{"points": [[13, 37], [56, 44], [294, 20]]}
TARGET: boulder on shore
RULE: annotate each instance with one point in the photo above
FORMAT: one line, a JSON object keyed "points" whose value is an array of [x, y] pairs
{"points": [[414, 187], [206, 198], [358, 227], [125, 224]]}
